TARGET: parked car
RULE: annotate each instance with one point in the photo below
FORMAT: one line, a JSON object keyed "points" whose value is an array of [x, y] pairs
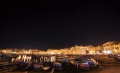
{"points": [[86, 63], [92, 62], [83, 65]]}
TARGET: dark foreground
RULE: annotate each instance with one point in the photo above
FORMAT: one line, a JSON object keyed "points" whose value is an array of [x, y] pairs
{"points": [[113, 68], [105, 69]]}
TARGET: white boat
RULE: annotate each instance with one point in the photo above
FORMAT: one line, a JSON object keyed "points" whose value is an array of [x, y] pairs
{"points": [[46, 68]]}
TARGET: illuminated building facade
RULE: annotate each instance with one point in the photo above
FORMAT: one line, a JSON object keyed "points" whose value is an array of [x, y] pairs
{"points": [[106, 48]]}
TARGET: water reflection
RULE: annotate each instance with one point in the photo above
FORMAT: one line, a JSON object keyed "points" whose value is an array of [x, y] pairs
{"points": [[22, 58], [36, 59]]}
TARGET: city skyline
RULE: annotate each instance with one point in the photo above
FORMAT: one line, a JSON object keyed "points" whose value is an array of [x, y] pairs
{"points": [[106, 48]]}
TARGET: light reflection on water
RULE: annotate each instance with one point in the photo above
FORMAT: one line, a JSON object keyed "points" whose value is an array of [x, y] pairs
{"points": [[36, 59]]}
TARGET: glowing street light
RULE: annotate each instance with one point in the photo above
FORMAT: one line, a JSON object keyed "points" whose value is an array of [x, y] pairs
{"points": [[58, 52], [51, 53], [73, 52], [115, 50]]}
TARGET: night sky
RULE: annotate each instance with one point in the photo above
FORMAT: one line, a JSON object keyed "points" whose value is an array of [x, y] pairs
{"points": [[58, 24]]}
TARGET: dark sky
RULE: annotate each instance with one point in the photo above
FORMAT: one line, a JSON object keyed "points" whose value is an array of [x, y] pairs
{"points": [[58, 24]]}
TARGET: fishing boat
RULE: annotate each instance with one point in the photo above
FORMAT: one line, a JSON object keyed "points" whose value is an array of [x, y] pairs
{"points": [[37, 66]]}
